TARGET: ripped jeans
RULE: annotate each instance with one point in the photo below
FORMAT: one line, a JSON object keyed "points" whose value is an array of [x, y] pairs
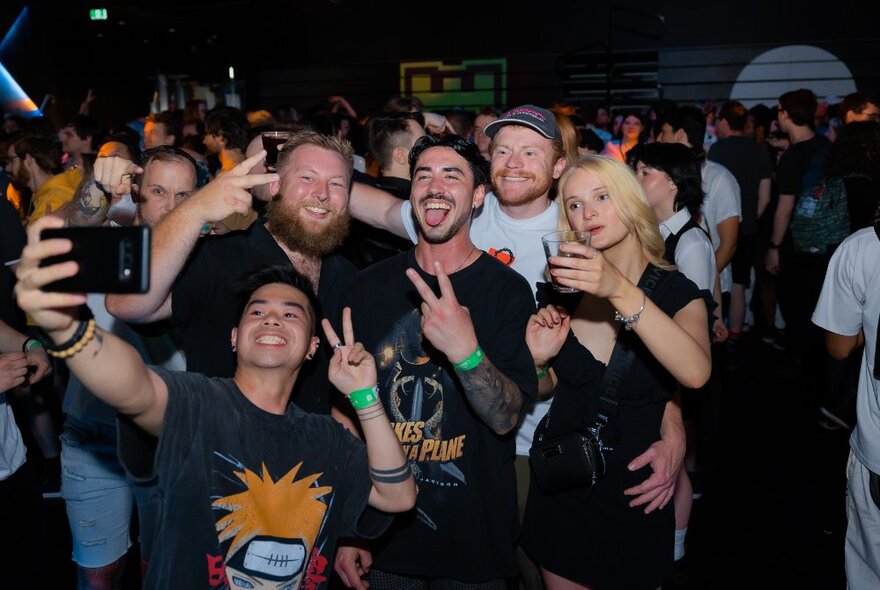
{"points": [[98, 498]]}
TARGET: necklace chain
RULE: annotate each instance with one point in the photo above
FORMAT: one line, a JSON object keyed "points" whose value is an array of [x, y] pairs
{"points": [[473, 249]]}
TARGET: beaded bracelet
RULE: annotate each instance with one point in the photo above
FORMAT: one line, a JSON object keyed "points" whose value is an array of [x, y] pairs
{"points": [[472, 361], [630, 320], [361, 398], [83, 335]]}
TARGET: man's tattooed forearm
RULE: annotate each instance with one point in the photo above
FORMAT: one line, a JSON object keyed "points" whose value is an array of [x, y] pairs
{"points": [[87, 203], [495, 397]]}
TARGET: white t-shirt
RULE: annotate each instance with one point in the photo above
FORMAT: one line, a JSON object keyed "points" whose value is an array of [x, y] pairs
{"points": [[694, 254], [850, 302], [722, 202], [12, 449], [506, 238]]}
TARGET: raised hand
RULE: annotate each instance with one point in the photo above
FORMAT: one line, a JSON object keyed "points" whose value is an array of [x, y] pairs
{"points": [[437, 123], [587, 271], [351, 367], [546, 333], [228, 194], [114, 175], [445, 322], [54, 312]]}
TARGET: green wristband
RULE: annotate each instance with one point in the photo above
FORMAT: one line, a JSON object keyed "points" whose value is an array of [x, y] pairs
{"points": [[30, 344], [472, 361], [543, 372], [361, 398]]}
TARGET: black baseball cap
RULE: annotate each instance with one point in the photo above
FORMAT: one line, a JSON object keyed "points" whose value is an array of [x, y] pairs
{"points": [[541, 120]]}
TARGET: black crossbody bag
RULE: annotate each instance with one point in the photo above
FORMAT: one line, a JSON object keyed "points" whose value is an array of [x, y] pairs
{"points": [[577, 459]]}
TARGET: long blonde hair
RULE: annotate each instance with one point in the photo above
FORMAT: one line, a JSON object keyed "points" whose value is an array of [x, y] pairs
{"points": [[627, 198]]}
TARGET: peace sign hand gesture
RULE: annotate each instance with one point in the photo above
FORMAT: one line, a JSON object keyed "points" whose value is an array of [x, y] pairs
{"points": [[445, 322], [351, 367]]}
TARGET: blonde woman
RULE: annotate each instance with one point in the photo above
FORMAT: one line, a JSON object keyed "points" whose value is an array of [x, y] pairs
{"points": [[603, 538]]}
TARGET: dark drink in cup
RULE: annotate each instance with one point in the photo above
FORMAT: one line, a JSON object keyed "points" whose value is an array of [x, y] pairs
{"points": [[551, 243], [272, 142]]}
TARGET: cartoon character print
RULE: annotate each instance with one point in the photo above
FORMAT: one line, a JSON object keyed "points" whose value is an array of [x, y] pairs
{"points": [[273, 526]]}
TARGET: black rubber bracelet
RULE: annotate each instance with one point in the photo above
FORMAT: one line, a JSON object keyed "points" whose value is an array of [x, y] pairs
{"points": [[85, 314]]}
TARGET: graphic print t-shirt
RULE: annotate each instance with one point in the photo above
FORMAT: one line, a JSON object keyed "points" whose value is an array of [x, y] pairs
{"points": [[464, 523], [516, 243], [247, 499]]}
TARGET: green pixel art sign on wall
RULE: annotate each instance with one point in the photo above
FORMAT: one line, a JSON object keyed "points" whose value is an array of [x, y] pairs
{"points": [[470, 84]]}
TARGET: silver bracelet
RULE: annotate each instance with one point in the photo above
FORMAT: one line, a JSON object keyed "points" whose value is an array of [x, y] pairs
{"points": [[630, 320]]}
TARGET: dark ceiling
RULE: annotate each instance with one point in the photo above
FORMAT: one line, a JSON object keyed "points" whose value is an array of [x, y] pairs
{"points": [[63, 53]]}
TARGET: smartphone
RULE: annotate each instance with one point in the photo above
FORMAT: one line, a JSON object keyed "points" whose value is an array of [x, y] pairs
{"points": [[111, 259]]}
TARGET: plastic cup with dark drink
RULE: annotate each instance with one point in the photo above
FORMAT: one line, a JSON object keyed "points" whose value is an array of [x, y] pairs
{"points": [[272, 142], [553, 241]]}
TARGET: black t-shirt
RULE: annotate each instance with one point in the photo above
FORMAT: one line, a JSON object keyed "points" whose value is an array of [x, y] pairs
{"points": [[749, 163], [204, 306], [863, 201], [464, 523], [243, 492], [12, 241], [802, 165]]}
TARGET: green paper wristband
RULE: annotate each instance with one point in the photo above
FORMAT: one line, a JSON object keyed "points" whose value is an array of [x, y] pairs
{"points": [[30, 344], [472, 361], [361, 398], [543, 372]]}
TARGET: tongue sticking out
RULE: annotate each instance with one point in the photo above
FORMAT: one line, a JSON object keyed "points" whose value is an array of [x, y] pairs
{"points": [[435, 217]]}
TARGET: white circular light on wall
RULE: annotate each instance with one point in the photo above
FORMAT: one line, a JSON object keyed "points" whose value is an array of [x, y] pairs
{"points": [[779, 70]]}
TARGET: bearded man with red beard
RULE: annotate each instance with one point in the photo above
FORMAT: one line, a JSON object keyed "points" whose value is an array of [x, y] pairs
{"points": [[192, 280]]}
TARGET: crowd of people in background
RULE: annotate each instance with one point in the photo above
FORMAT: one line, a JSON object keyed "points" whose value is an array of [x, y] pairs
{"points": [[390, 227]]}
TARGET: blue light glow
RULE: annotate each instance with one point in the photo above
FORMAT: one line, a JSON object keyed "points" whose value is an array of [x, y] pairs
{"points": [[12, 97]]}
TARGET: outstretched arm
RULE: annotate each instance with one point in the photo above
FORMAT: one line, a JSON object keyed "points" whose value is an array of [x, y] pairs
{"points": [[447, 324], [109, 367], [353, 370], [175, 237], [378, 208]]}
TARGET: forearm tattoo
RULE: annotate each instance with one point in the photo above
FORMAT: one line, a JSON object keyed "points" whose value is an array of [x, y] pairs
{"points": [[91, 198], [99, 342], [397, 475], [371, 412], [494, 397]]}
